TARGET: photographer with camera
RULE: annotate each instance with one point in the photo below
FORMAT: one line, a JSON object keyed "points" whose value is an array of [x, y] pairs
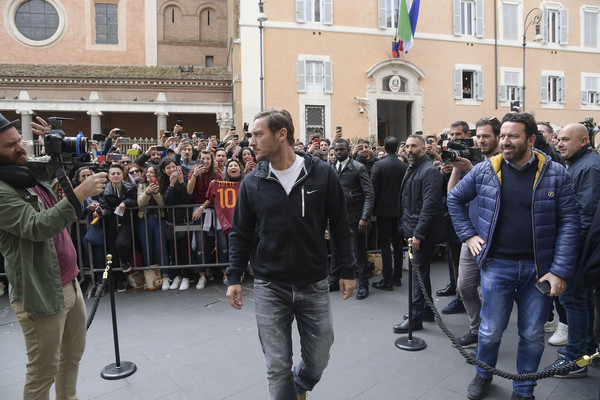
{"points": [[41, 265]]}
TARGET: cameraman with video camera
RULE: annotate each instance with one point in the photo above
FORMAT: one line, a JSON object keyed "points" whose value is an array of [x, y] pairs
{"points": [[41, 264]]}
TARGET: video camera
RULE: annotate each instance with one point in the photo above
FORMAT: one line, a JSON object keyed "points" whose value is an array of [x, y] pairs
{"points": [[57, 143], [464, 148], [592, 128]]}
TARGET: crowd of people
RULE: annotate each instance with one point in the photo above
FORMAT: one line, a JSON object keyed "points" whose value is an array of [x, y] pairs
{"points": [[173, 206]]}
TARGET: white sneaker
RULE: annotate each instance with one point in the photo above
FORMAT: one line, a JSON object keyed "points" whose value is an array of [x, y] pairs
{"points": [[550, 326], [131, 281], [2, 289], [166, 284], [185, 284], [225, 280], [176, 283], [561, 336], [201, 283]]}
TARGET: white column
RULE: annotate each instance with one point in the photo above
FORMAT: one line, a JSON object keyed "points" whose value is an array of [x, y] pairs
{"points": [[161, 123], [27, 134], [95, 126]]}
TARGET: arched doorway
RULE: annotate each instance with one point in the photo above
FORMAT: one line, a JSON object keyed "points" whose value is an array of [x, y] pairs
{"points": [[395, 101]]}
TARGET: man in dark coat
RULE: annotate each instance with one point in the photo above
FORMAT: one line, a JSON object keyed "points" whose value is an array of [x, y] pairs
{"points": [[358, 193], [386, 177], [422, 221]]}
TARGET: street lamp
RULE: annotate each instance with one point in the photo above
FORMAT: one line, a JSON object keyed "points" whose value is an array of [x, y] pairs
{"points": [[537, 38], [262, 17]]}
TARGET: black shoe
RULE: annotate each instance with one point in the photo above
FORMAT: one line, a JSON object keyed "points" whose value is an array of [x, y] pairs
{"points": [[121, 287], [334, 287], [456, 306], [449, 290], [398, 282], [478, 387], [516, 396], [425, 317], [383, 286], [126, 266], [403, 327], [362, 293], [468, 340]]}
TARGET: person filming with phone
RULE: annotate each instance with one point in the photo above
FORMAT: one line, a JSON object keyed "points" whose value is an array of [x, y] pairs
{"points": [[524, 241]]}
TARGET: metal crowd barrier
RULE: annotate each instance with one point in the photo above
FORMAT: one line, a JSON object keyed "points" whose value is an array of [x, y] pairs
{"points": [[85, 250]]}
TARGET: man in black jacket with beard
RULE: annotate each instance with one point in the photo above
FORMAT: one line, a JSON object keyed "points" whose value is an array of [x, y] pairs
{"points": [[422, 220], [279, 224], [358, 192]]}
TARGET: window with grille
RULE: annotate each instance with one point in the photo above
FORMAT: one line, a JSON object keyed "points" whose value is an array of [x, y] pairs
{"points": [[315, 120], [107, 28], [36, 20]]}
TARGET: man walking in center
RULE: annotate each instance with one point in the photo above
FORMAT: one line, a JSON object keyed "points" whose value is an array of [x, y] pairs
{"points": [[528, 222], [279, 224]]}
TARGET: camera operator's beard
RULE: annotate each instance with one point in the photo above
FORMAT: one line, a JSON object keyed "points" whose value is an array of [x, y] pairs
{"points": [[19, 158]]}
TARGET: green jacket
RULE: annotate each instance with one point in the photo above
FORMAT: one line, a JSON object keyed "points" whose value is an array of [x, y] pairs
{"points": [[26, 242]]}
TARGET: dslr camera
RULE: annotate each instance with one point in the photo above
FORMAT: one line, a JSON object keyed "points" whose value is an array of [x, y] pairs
{"points": [[464, 148], [57, 143]]}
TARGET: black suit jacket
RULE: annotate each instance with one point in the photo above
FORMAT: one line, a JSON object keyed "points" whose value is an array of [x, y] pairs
{"points": [[386, 177]]}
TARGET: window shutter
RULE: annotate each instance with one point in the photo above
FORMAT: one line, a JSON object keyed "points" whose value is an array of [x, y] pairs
{"points": [[456, 20], [502, 93], [381, 14], [328, 12], [479, 79], [564, 26], [584, 97], [328, 81], [563, 89], [301, 75], [458, 92], [479, 18], [544, 88], [545, 25], [300, 11]]}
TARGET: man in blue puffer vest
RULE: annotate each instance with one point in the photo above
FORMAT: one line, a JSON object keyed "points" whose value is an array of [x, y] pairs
{"points": [[527, 231]]}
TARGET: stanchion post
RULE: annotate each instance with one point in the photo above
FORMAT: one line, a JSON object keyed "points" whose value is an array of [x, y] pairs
{"points": [[118, 369], [410, 343]]}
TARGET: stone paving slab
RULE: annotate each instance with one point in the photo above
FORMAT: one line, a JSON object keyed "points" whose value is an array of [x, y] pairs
{"points": [[193, 345]]}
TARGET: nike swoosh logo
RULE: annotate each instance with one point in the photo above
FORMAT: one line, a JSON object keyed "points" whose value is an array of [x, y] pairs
{"points": [[311, 192]]}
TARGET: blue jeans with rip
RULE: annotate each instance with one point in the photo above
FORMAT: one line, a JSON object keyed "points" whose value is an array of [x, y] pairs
{"points": [[276, 307], [504, 282]]}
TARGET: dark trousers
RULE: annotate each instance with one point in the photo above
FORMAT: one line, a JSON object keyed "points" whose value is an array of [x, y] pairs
{"points": [[422, 261], [359, 251], [388, 232]]}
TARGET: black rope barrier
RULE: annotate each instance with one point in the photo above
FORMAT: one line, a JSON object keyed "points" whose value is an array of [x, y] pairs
{"points": [[99, 291], [534, 376]]}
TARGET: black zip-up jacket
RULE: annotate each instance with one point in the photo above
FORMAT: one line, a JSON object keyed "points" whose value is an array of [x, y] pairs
{"points": [[421, 196], [283, 235]]}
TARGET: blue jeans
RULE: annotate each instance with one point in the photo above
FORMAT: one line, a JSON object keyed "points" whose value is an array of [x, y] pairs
{"points": [[502, 283], [578, 302], [276, 307], [155, 240]]}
